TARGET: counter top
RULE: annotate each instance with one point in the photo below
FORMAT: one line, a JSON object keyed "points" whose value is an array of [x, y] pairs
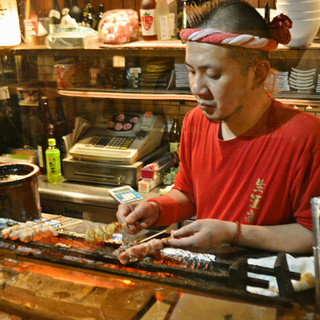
{"points": [[82, 193]]}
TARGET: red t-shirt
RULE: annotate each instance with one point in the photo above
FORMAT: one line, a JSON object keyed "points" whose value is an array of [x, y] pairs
{"points": [[264, 177]]}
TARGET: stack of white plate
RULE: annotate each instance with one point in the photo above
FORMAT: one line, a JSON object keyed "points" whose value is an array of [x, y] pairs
{"points": [[305, 16], [283, 81], [302, 80], [318, 84], [278, 81]]}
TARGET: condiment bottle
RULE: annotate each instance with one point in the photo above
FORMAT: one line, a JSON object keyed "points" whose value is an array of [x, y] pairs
{"points": [[53, 162], [174, 135], [163, 20], [148, 23]]}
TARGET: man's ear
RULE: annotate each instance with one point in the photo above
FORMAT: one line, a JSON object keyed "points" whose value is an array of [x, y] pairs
{"points": [[261, 72]]}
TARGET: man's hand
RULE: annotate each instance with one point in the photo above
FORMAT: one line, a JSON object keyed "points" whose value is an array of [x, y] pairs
{"points": [[203, 235], [138, 216]]}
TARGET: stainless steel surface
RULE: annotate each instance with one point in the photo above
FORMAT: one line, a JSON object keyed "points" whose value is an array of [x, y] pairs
{"points": [[80, 200], [315, 210]]}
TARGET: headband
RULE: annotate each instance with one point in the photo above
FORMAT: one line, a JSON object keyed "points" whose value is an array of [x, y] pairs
{"points": [[279, 30]]}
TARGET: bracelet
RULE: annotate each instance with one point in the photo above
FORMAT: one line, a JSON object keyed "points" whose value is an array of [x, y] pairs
{"points": [[237, 235]]}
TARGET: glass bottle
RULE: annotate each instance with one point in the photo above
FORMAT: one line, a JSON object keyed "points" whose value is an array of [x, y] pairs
{"points": [[148, 23], [173, 17], [60, 127], [54, 16], [45, 132], [53, 162], [101, 12], [66, 8], [76, 12], [163, 20], [182, 21], [175, 135], [91, 18]]}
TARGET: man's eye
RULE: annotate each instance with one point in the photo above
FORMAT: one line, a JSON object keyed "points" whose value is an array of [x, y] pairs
{"points": [[214, 76]]}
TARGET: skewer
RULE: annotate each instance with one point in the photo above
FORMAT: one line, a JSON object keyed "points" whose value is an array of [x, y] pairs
{"points": [[153, 236], [167, 238], [68, 225]]}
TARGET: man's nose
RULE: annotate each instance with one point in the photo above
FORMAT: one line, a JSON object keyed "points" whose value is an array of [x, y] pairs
{"points": [[198, 86]]}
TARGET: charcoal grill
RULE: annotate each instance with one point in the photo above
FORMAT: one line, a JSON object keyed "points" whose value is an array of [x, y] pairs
{"points": [[222, 277]]}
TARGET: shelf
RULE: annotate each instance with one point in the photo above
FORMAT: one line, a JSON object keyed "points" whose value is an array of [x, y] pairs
{"points": [[173, 48], [148, 48], [127, 95], [49, 89]]}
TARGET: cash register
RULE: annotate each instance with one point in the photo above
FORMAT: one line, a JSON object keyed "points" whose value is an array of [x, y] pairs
{"points": [[114, 150]]}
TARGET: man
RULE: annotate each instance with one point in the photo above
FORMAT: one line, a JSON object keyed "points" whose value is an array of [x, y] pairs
{"points": [[249, 164]]}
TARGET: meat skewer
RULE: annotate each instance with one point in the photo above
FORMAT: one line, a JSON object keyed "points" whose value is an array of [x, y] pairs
{"points": [[45, 231], [103, 233], [141, 250], [33, 231], [12, 231]]}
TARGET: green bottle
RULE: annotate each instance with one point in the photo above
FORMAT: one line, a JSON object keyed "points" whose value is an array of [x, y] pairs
{"points": [[53, 162]]}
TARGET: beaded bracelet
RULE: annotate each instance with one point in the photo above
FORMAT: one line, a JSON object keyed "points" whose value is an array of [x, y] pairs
{"points": [[237, 235]]}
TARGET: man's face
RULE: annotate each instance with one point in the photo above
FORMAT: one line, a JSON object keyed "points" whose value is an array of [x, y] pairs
{"points": [[218, 84]]}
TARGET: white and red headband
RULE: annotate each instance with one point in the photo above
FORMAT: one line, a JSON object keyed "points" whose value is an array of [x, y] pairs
{"points": [[279, 30]]}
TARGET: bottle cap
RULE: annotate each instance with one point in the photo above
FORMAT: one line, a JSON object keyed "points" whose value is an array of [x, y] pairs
{"points": [[52, 142]]}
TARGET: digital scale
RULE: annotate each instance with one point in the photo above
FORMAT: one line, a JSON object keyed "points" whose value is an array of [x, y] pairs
{"points": [[114, 151]]}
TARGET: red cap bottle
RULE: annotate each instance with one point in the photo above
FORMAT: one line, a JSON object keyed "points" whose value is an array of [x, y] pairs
{"points": [[147, 15]]}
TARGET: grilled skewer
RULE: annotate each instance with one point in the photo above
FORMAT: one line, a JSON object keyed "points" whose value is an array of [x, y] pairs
{"points": [[103, 233]]}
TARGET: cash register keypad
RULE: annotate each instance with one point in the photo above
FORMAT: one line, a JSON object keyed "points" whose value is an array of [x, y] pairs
{"points": [[110, 142]]}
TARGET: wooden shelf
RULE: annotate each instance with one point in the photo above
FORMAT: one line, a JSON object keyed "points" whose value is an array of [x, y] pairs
{"points": [[148, 48], [173, 95]]}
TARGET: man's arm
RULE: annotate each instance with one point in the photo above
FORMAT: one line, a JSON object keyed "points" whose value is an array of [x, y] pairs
{"points": [[292, 238], [206, 234]]}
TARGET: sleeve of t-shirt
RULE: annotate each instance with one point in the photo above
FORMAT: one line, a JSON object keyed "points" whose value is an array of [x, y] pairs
{"points": [[183, 180], [306, 185]]}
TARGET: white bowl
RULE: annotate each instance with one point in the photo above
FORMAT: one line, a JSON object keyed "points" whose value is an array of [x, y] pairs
{"points": [[293, 15], [303, 32], [298, 6]]}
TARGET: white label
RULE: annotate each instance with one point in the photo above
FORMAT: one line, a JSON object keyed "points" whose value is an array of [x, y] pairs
{"points": [[54, 14], [40, 157], [174, 146], [165, 28], [148, 22]]}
